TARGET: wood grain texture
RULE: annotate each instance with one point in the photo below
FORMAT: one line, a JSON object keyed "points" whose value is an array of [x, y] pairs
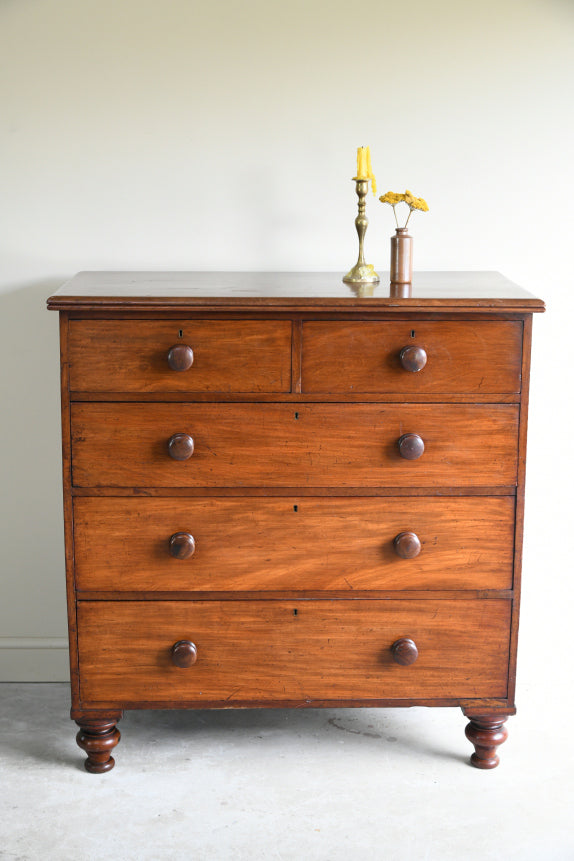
{"points": [[365, 357], [228, 355], [296, 594], [488, 292], [263, 570], [296, 358], [273, 445], [486, 732], [293, 543], [288, 650], [293, 398], [68, 511], [520, 497], [98, 738], [183, 492]]}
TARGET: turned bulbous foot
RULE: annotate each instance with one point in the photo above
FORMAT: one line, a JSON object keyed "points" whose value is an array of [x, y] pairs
{"points": [[486, 733], [98, 738]]}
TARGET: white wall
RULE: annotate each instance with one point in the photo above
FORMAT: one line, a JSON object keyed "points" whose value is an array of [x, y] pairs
{"points": [[187, 135]]}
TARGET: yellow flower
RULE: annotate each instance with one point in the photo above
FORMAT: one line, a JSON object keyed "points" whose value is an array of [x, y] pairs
{"points": [[415, 202], [392, 197], [408, 197]]}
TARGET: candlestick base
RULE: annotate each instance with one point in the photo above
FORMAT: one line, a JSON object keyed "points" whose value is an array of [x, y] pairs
{"points": [[362, 273]]}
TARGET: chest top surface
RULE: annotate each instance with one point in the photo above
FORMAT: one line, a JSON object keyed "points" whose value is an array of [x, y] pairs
{"points": [[482, 292]]}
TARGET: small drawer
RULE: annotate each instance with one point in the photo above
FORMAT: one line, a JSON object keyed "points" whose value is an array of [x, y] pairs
{"points": [[293, 445], [299, 543], [180, 356], [412, 357], [296, 651]]}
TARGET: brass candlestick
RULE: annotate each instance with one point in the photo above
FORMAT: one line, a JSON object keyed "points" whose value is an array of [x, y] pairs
{"points": [[361, 273]]}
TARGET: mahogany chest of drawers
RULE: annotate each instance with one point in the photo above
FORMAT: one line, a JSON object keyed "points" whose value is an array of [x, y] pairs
{"points": [[281, 492]]}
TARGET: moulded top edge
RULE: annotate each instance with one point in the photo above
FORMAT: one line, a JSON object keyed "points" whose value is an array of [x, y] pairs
{"points": [[440, 291]]}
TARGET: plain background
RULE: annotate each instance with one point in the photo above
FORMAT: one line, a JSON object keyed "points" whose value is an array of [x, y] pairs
{"points": [[186, 135]]}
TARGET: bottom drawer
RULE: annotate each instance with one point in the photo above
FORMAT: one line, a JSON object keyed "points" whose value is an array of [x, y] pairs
{"points": [[269, 651]]}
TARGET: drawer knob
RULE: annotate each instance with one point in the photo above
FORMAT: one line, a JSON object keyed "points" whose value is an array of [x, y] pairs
{"points": [[404, 651], [184, 654], [180, 357], [180, 446], [407, 545], [181, 545], [413, 358], [411, 446]]}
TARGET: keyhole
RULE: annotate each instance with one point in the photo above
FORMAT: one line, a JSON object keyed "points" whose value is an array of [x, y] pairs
{"points": [[412, 333], [295, 508], [181, 333], [295, 612], [296, 415]]}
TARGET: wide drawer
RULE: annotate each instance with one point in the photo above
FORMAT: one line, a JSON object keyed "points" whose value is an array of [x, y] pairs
{"points": [[468, 357], [309, 445], [291, 651], [132, 355], [300, 543]]}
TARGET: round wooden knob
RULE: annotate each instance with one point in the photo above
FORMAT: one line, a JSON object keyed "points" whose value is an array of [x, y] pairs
{"points": [[180, 357], [411, 446], [184, 654], [413, 358], [404, 651], [180, 446], [407, 545], [181, 545]]}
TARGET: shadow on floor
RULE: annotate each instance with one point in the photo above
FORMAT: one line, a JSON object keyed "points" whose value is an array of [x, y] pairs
{"points": [[35, 723]]}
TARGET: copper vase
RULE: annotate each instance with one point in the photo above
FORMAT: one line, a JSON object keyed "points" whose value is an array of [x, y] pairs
{"points": [[401, 257]]}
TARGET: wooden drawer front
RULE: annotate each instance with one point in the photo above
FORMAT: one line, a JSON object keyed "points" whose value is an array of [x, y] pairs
{"points": [[123, 544], [228, 356], [469, 357], [263, 650], [311, 445]]}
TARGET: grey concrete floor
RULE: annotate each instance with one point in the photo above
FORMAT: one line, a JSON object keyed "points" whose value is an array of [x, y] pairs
{"points": [[278, 784]]}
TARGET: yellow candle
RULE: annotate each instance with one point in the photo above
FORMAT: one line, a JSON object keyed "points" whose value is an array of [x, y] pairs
{"points": [[364, 167], [362, 172]]}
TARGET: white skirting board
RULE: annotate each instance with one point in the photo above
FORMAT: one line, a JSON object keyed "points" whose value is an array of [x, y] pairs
{"points": [[34, 659]]}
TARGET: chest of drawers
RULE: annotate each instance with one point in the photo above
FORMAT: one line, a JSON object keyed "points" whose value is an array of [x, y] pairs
{"points": [[279, 492]]}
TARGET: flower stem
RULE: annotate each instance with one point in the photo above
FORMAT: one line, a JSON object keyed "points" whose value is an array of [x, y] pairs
{"points": [[395, 214], [410, 213]]}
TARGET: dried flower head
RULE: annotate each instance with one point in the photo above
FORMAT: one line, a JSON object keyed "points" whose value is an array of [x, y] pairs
{"points": [[415, 202], [392, 198]]}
